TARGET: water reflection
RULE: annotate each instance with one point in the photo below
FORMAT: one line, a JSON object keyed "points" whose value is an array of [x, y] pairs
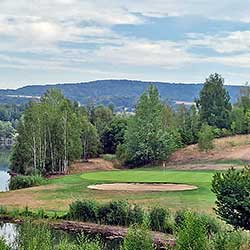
{"points": [[4, 168]]}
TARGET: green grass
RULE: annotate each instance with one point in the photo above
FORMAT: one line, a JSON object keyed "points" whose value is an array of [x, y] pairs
{"points": [[60, 192], [200, 199]]}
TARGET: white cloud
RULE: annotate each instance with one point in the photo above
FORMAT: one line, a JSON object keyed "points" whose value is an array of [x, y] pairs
{"points": [[238, 41], [145, 53]]}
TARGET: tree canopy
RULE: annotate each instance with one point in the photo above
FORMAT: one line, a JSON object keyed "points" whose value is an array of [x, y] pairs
{"points": [[214, 102]]}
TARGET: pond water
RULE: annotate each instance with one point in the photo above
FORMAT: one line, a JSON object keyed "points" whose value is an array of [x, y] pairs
{"points": [[9, 232], [4, 168]]}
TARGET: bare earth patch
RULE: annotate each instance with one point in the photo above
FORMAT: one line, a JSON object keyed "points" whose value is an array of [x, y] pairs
{"points": [[142, 187], [229, 148]]}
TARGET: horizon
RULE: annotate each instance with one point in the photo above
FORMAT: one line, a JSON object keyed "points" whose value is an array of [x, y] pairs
{"points": [[98, 80], [159, 41]]}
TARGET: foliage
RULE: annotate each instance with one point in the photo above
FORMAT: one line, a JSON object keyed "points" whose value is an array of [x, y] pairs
{"points": [[232, 189], [188, 123], [192, 234], [138, 238], [90, 139], [210, 223], [158, 218], [33, 236], [3, 244], [20, 181], [114, 213], [227, 240], [147, 139], [84, 210], [206, 136], [48, 136], [113, 134], [214, 102]]}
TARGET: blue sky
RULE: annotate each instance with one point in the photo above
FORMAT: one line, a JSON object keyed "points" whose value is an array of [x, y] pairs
{"points": [[60, 41]]}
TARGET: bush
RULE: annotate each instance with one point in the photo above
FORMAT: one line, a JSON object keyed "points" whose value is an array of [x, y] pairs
{"points": [[232, 189], [135, 215], [84, 211], [114, 213], [3, 244], [3, 210], [205, 138], [227, 240], [211, 224], [22, 181], [158, 218], [138, 238], [192, 234]]}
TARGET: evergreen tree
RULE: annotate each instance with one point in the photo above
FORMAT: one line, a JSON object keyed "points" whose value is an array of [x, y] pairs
{"points": [[214, 102]]}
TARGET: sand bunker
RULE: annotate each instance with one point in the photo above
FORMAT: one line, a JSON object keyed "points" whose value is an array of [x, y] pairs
{"points": [[142, 187]]}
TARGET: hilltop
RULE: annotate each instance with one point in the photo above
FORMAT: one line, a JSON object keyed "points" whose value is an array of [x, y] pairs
{"points": [[120, 93]]}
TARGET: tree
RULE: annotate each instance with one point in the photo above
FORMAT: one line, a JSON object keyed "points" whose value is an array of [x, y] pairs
{"points": [[205, 138], [113, 134], [188, 123], [48, 136], [147, 139], [214, 102], [232, 190], [90, 139]]}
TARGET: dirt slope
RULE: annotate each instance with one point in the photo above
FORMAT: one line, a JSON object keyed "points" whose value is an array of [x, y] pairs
{"points": [[234, 148]]}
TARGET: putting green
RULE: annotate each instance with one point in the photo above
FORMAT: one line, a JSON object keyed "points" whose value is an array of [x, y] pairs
{"points": [[151, 176]]}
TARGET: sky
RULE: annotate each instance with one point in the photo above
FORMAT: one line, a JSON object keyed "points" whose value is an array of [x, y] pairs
{"points": [[61, 41]]}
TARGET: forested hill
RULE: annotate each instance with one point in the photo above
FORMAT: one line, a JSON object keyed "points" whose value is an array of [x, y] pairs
{"points": [[121, 93]]}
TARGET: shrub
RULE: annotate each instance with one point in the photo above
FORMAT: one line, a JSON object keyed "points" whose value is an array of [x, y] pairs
{"points": [[205, 138], [192, 234], [232, 189], [135, 215], [3, 210], [157, 219], [22, 181], [3, 244], [138, 238], [227, 240], [179, 218], [211, 224], [114, 213], [84, 211]]}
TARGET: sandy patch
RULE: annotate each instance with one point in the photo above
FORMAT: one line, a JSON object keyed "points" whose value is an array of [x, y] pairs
{"points": [[142, 187]]}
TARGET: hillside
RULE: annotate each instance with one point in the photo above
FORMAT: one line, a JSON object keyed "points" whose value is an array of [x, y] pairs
{"points": [[120, 93], [227, 152]]}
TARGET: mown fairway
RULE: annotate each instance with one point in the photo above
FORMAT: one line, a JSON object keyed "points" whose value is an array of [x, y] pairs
{"points": [[61, 191]]}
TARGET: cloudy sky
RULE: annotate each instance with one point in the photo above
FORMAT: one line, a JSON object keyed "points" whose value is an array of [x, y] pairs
{"points": [[45, 41]]}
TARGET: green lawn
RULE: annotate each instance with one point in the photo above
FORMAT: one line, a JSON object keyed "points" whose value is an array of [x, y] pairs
{"points": [[200, 199], [60, 192]]}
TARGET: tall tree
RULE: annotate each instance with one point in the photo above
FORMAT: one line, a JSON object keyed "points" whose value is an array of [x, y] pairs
{"points": [[48, 136], [214, 102], [147, 139]]}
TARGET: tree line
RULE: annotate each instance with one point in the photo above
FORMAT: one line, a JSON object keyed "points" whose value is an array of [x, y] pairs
{"points": [[55, 131]]}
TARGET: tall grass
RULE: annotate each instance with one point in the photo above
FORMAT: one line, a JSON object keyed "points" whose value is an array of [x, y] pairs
{"points": [[39, 237]]}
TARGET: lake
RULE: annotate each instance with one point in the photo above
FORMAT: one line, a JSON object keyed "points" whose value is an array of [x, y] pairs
{"points": [[4, 168]]}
